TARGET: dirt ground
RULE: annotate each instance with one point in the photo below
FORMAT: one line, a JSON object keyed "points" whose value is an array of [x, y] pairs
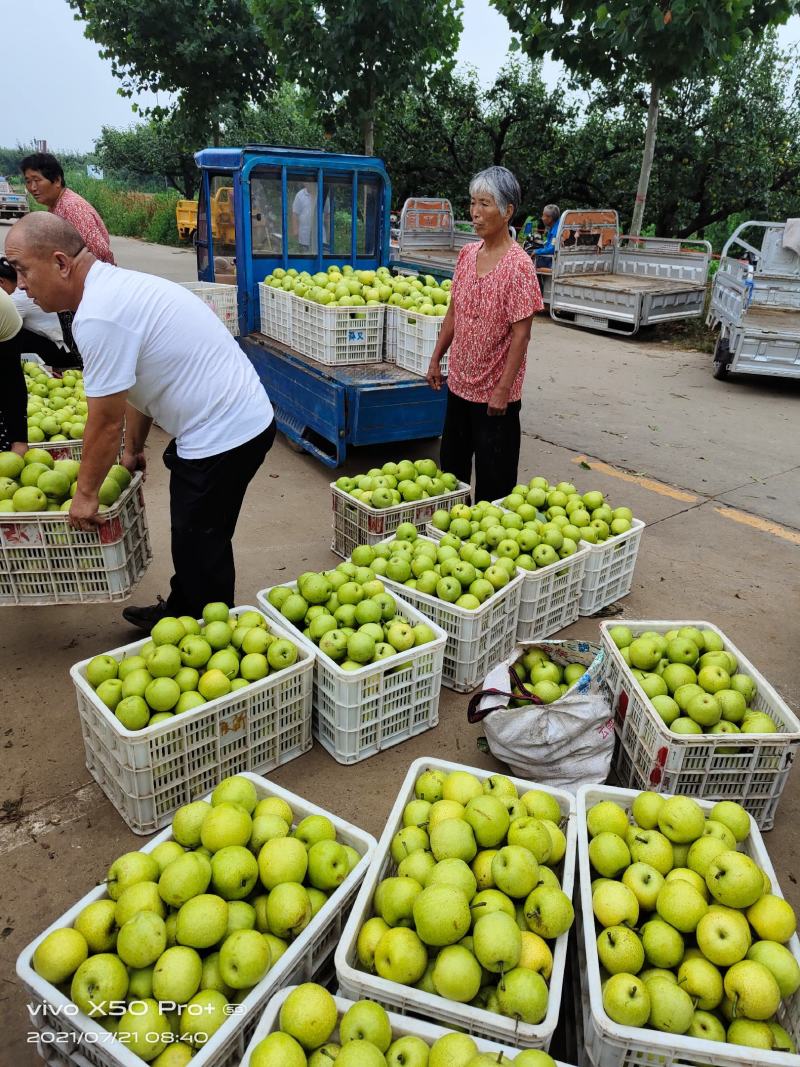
{"points": [[712, 468]]}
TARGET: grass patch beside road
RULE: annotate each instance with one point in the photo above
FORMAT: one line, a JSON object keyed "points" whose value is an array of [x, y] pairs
{"points": [[126, 212]]}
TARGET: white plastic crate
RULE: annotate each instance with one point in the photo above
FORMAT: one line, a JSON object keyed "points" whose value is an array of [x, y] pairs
{"points": [[357, 984], [61, 449], [276, 312], [390, 333], [337, 336], [608, 1044], [221, 299], [476, 640], [147, 774], [402, 1025], [650, 756], [416, 338], [44, 561], [305, 959], [356, 523], [609, 569], [550, 595], [359, 713]]}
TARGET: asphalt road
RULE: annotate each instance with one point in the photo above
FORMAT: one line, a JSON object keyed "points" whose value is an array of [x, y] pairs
{"points": [[643, 404], [712, 468]]}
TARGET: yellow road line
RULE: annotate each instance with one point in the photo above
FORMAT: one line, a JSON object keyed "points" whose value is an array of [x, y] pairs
{"points": [[645, 483], [757, 523]]}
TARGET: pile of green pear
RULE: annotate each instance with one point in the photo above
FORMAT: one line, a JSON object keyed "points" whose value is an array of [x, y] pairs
{"points": [[57, 407], [691, 939], [37, 482], [398, 483], [188, 929], [343, 286], [692, 682], [541, 677], [580, 516], [187, 663], [472, 898], [459, 573], [312, 1033], [349, 616], [532, 543]]}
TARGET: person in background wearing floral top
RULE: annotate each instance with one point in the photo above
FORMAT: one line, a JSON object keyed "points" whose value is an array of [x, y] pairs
{"points": [[494, 296], [44, 180]]}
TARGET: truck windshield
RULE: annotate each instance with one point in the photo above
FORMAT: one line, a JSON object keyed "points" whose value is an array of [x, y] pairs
{"points": [[305, 217]]}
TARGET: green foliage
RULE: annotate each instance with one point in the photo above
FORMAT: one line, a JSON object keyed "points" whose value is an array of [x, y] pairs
{"points": [[208, 53], [127, 213], [654, 42], [715, 158], [289, 116], [165, 148], [434, 142], [10, 160], [662, 41], [352, 55]]}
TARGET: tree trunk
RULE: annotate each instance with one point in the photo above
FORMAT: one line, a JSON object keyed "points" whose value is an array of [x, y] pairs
{"points": [[368, 120], [369, 135], [647, 161]]}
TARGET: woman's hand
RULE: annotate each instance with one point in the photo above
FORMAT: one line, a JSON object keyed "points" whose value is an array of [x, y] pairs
{"points": [[20, 447], [434, 375], [498, 401]]}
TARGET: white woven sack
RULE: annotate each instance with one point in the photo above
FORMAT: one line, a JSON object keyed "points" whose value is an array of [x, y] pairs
{"points": [[566, 744]]}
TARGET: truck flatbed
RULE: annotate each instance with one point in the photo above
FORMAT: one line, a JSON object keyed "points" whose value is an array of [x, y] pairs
{"points": [[353, 374], [324, 409], [631, 283], [773, 320]]}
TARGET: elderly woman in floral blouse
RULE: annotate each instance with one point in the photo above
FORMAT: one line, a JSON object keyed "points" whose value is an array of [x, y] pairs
{"points": [[494, 296]]}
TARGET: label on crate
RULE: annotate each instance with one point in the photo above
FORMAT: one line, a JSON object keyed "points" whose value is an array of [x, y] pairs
{"points": [[233, 726], [111, 531], [25, 535], [356, 335]]}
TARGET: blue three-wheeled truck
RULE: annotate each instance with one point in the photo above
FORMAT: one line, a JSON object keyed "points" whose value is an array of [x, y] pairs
{"points": [[309, 209]]}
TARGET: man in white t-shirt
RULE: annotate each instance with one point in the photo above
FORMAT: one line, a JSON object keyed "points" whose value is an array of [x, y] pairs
{"points": [[153, 352], [303, 216]]}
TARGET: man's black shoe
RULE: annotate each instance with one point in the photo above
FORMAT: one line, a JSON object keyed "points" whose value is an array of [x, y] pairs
{"points": [[145, 618]]}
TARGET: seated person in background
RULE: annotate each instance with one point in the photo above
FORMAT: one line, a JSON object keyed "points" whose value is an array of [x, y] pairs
{"points": [[543, 257]]}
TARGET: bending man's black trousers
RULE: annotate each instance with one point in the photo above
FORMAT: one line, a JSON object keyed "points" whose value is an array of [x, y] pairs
{"points": [[491, 440], [205, 500]]}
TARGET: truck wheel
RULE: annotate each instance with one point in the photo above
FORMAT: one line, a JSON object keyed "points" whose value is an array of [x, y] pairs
{"points": [[722, 355]]}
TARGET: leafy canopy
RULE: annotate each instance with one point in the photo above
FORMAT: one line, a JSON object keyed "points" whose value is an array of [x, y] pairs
{"points": [[352, 54], [206, 52], [662, 40]]}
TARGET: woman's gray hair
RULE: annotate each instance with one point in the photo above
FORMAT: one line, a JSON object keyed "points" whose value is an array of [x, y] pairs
{"points": [[552, 210], [501, 185]]}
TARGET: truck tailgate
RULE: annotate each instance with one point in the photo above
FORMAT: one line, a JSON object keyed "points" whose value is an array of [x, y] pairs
{"points": [[767, 342]]}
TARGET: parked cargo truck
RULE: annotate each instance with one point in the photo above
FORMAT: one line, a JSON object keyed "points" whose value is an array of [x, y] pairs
{"points": [[320, 408]]}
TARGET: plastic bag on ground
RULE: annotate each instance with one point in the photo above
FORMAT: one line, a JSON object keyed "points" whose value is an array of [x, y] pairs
{"points": [[565, 744]]}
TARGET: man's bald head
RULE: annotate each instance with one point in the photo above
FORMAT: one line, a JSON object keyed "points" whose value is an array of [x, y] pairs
{"points": [[50, 259], [41, 234]]}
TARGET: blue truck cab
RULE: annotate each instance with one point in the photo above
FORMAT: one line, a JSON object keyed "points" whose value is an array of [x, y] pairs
{"points": [[308, 209]]}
